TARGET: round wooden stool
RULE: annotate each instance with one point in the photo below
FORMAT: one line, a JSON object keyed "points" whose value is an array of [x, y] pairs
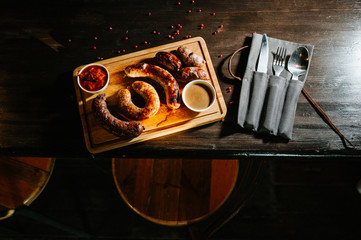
{"points": [[174, 192], [22, 179]]}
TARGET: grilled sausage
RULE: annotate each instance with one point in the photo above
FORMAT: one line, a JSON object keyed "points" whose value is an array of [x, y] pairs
{"points": [[160, 75], [114, 125], [168, 60], [130, 110], [188, 74], [189, 58]]}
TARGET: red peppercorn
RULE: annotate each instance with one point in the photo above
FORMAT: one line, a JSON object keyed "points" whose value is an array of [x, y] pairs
{"points": [[189, 11], [231, 102], [149, 13], [213, 14], [145, 42], [178, 3], [180, 26], [192, 2], [199, 10], [201, 27], [110, 28], [220, 55], [69, 40], [189, 36], [123, 50], [217, 31], [135, 46], [95, 38], [126, 38], [94, 47], [221, 26], [154, 32], [172, 26]]}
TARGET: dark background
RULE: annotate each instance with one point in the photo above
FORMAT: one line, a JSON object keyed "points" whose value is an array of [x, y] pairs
{"points": [[295, 199]]}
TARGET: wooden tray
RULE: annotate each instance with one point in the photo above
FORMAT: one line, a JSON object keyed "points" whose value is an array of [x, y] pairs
{"points": [[165, 121]]}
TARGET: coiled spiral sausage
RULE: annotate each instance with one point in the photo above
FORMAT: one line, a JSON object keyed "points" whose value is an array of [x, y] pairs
{"points": [[130, 110]]}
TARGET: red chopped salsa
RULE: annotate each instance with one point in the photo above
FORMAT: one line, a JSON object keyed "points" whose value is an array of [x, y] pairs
{"points": [[93, 78]]}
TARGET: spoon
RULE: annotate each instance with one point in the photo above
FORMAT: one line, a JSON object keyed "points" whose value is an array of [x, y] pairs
{"points": [[298, 63]]}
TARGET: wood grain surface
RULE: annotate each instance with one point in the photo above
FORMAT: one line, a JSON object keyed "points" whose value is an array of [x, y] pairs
{"points": [[42, 43], [22, 179], [174, 191]]}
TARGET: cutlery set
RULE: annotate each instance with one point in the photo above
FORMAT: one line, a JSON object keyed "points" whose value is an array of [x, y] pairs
{"points": [[269, 96]]}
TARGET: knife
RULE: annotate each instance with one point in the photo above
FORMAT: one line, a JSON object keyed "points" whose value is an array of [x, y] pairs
{"points": [[263, 55], [260, 83]]}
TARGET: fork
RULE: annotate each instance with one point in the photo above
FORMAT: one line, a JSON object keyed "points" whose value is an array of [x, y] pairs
{"points": [[279, 61]]}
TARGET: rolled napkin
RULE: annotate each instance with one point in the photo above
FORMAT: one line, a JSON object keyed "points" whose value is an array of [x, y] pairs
{"points": [[274, 102], [260, 83], [279, 92]]}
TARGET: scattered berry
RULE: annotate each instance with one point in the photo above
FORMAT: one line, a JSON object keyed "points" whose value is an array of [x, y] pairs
{"points": [[135, 46], [95, 38], [199, 10], [110, 28], [149, 13], [231, 102], [126, 38], [94, 47], [220, 55], [189, 11], [178, 3], [213, 14], [69, 40], [221, 26], [145, 42]]}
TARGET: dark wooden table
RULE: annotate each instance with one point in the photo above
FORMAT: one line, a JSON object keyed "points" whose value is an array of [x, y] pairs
{"points": [[42, 42]]}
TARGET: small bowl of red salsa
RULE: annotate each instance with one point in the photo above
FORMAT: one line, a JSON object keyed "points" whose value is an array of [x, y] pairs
{"points": [[93, 78]]}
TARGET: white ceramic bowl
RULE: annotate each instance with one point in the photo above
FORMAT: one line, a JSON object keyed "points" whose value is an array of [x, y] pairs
{"points": [[95, 91], [199, 95]]}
